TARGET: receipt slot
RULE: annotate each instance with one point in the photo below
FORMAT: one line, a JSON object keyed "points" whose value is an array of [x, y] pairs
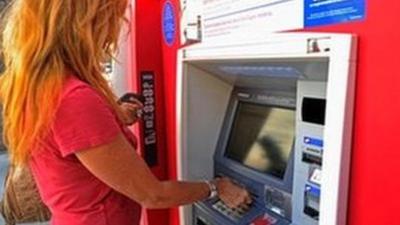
{"points": [[274, 116]]}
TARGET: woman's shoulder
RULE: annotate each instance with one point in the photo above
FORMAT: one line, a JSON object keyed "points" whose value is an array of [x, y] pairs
{"points": [[78, 93], [83, 118], [73, 85]]}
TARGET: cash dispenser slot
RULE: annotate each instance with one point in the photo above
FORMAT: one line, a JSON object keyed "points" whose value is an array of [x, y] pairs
{"points": [[277, 201]]}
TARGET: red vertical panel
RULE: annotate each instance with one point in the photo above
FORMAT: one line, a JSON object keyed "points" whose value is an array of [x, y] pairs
{"points": [[169, 63], [149, 58], [169, 60]]}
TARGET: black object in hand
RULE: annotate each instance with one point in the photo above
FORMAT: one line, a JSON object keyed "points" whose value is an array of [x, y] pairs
{"points": [[131, 97]]}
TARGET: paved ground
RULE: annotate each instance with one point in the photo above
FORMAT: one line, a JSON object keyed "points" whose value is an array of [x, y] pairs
{"points": [[3, 170]]}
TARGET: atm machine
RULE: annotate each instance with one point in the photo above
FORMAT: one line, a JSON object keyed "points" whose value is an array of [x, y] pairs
{"points": [[255, 149], [275, 116]]}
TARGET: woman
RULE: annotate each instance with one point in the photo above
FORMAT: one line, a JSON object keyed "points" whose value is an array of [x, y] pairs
{"points": [[62, 119]]}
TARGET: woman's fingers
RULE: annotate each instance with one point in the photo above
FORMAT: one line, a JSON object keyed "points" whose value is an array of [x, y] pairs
{"points": [[249, 200], [134, 101], [231, 194], [130, 111], [131, 106]]}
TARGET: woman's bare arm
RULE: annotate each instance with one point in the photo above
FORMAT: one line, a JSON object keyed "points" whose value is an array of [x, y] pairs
{"points": [[119, 166]]}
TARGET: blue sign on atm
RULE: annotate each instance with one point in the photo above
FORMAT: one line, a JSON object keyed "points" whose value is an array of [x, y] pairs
{"points": [[314, 141], [321, 12], [169, 23]]}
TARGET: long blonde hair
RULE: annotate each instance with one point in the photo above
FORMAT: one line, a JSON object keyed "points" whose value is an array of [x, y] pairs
{"points": [[41, 41]]}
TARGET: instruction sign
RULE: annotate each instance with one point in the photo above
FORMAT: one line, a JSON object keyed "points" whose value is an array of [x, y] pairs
{"points": [[224, 19], [321, 12]]}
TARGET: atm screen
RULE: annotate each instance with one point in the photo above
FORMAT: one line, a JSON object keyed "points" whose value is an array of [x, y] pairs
{"points": [[262, 137]]}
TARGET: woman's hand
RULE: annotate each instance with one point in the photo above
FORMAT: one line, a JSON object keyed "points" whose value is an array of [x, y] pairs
{"points": [[231, 194], [130, 112]]}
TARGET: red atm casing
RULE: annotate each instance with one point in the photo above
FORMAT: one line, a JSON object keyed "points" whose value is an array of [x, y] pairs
{"points": [[374, 155]]}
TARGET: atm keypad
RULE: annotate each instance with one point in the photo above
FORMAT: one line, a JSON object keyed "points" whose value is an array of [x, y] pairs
{"points": [[235, 214]]}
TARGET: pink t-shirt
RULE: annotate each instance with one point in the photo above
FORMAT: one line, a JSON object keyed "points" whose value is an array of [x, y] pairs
{"points": [[74, 195]]}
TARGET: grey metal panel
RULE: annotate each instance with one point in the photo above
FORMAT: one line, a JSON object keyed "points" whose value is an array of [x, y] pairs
{"points": [[302, 169]]}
